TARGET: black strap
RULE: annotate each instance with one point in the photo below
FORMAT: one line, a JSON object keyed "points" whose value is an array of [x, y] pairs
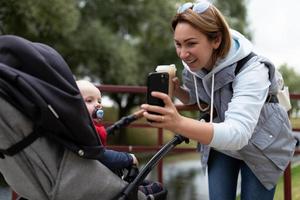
{"points": [[242, 62], [271, 98], [19, 146]]}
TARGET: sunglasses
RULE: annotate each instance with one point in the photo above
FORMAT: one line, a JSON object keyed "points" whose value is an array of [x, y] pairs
{"points": [[198, 7]]}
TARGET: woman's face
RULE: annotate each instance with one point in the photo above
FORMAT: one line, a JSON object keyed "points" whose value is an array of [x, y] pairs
{"points": [[193, 47]]}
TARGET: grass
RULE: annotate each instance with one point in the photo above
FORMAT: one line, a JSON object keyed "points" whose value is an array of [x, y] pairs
{"points": [[295, 122], [279, 194]]}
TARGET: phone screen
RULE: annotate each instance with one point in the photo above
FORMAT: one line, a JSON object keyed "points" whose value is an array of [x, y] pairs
{"points": [[157, 81]]}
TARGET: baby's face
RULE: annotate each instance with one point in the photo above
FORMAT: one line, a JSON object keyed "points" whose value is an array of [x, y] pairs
{"points": [[92, 99]]}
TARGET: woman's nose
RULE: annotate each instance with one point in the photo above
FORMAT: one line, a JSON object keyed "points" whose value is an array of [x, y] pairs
{"points": [[183, 54]]}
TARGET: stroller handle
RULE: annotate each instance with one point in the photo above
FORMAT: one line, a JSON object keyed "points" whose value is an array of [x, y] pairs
{"points": [[132, 187], [124, 121]]}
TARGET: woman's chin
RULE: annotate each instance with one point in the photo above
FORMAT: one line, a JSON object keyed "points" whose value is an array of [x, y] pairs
{"points": [[193, 67]]}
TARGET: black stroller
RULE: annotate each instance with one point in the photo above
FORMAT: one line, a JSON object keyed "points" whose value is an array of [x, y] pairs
{"points": [[49, 148]]}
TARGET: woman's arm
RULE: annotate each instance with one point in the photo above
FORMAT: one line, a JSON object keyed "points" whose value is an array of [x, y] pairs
{"points": [[170, 119], [250, 90]]}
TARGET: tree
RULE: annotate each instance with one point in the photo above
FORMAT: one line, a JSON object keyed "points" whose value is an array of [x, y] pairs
{"points": [[44, 21], [236, 14], [112, 42], [137, 32], [145, 26]]}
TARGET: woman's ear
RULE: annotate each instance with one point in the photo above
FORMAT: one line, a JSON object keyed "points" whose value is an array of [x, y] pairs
{"points": [[217, 41]]}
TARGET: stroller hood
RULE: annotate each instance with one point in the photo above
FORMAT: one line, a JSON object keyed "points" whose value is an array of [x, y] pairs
{"points": [[38, 82]]}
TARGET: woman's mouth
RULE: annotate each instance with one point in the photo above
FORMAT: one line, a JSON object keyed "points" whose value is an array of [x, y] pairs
{"points": [[190, 61]]}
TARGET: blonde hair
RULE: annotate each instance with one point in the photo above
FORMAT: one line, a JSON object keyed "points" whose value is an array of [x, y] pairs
{"points": [[212, 24], [84, 85]]}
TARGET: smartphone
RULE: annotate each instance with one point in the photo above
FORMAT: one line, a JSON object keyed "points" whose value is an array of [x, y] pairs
{"points": [[157, 81]]}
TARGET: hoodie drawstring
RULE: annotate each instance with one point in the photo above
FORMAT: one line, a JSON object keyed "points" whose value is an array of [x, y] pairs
{"points": [[211, 95], [212, 98]]}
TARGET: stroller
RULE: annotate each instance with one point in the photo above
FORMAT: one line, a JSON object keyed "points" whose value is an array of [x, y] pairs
{"points": [[47, 152]]}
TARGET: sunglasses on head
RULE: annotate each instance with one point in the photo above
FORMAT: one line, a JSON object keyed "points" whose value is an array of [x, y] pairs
{"points": [[198, 7]]}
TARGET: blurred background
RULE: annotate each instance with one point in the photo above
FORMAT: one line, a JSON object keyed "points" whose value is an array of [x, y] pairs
{"points": [[114, 42]]}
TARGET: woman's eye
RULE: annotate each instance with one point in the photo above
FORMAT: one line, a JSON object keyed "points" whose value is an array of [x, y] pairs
{"points": [[177, 44], [191, 44]]}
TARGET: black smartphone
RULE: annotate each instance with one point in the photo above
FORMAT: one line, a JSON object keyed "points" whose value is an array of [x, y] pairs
{"points": [[157, 81]]}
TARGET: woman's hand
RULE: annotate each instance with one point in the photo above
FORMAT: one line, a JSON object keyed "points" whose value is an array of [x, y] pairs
{"points": [[167, 117]]}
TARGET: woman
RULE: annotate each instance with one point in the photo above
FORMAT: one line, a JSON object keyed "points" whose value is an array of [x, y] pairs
{"points": [[242, 135]]}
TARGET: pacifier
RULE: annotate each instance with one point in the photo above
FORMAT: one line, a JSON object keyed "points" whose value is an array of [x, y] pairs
{"points": [[98, 114]]}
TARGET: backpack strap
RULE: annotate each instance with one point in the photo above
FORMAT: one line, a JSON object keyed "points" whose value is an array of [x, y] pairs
{"points": [[242, 62]]}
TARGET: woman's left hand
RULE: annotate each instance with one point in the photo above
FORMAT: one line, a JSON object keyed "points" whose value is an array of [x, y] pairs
{"points": [[167, 117]]}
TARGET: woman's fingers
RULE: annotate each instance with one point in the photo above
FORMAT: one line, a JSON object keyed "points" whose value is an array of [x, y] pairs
{"points": [[138, 114], [157, 110], [161, 117], [154, 117], [166, 99]]}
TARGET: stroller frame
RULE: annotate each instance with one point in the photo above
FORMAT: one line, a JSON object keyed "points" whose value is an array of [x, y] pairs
{"points": [[130, 190]]}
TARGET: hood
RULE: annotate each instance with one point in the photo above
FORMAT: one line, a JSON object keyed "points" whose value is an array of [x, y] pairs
{"points": [[240, 48], [36, 79]]}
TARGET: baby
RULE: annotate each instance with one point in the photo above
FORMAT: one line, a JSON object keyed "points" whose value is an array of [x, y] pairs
{"points": [[116, 161], [92, 98]]}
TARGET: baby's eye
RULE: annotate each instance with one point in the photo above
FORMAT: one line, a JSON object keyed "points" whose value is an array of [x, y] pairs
{"points": [[88, 100], [99, 101]]}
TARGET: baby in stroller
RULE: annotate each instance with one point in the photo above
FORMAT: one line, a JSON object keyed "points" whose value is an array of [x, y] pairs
{"points": [[120, 160], [46, 150]]}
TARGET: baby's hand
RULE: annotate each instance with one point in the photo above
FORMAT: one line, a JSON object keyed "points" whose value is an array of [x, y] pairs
{"points": [[138, 114], [135, 161]]}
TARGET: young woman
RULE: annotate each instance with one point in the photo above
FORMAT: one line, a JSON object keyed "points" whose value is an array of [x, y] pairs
{"points": [[247, 131]]}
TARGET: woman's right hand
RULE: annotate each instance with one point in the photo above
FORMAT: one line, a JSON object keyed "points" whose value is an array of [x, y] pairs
{"points": [[162, 117]]}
